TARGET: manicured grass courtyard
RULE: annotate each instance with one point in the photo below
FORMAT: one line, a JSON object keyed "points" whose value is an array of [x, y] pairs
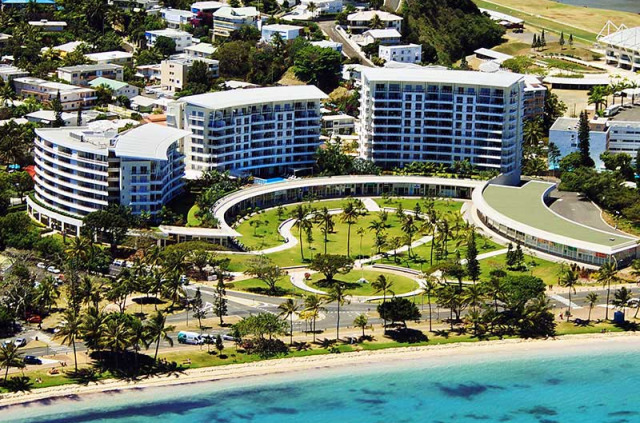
{"points": [[441, 206], [401, 284], [284, 286], [546, 270]]}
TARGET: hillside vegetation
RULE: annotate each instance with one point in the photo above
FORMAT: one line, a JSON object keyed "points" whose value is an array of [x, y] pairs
{"points": [[448, 29]]}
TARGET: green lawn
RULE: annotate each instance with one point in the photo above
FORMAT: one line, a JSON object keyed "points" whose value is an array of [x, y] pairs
{"points": [[441, 206], [401, 284], [546, 270], [284, 286], [266, 235], [192, 220]]}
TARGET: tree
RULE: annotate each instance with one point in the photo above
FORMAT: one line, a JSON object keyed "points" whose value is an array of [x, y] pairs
{"points": [[158, 331], [235, 58], [47, 293], [571, 40], [553, 155], [607, 274], [533, 133], [110, 223], [472, 264], [199, 311], [361, 321], [598, 97], [219, 344], [399, 310], [199, 78], [302, 222], [534, 43], [325, 220], [583, 140], [265, 270], [562, 41], [331, 265], [337, 294], [313, 306], [261, 325], [621, 299], [543, 41], [287, 310], [10, 357], [569, 279], [69, 330], [220, 307], [350, 214], [165, 45], [591, 299], [318, 66], [428, 288], [409, 228], [553, 109], [383, 285]]}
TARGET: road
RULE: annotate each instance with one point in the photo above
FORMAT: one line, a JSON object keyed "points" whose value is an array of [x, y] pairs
{"points": [[577, 208], [329, 28]]}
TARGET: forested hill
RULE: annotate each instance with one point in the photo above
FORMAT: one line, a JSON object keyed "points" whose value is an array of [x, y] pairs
{"points": [[448, 29]]}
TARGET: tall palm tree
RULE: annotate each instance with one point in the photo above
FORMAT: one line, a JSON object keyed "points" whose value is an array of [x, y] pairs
{"points": [[383, 285], [47, 293], [69, 331], [607, 274], [325, 220], [287, 310], [428, 288], [77, 249], [591, 299], [10, 357], [157, 331], [337, 294], [302, 223], [349, 215], [569, 279], [409, 228], [532, 132], [361, 321], [473, 295], [116, 337], [598, 97], [622, 297], [92, 328], [313, 305], [361, 232]]}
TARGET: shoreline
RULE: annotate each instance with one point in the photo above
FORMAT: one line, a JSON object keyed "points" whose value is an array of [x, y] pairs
{"points": [[470, 351]]}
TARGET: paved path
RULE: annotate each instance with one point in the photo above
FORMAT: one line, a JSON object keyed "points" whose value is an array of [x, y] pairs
{"points": [[371, 205], [564, 301], [329, 28]]}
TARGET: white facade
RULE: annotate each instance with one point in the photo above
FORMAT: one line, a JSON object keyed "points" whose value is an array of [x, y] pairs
{"points": [[287, 32], [202, 50], [114, 57], [564, 134], [176, 17], [333, 45], [229, 19], [173, 71], [85, 169], [361, 21], [83, 74], [258, 131], [118, 88], [441, 116], [9, 73], [72, 97], [624, 137], [323, 6], [206, 6], [182, 38], [623, 48], [409, 53], [387, 36], [340, 124], [150, 72]]}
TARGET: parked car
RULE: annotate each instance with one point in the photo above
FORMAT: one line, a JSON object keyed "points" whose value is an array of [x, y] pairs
{"points": [[20, 342], [192, 338], [32, 359], [118, 262], [34, 319], [53, 269], [41, 265]]}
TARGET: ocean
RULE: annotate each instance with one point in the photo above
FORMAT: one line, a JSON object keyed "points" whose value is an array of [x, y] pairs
{"points": [[624, 5], [545, 387]]}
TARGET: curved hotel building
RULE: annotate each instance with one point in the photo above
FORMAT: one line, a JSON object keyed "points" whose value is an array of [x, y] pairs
{"points": [[260, 131], [85, 169]]}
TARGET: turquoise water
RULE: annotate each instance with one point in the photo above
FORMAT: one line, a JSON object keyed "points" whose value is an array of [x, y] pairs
{"points": [[543, 388]]}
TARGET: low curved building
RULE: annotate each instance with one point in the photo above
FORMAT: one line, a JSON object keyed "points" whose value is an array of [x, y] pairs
{"points": [[85, 169]]}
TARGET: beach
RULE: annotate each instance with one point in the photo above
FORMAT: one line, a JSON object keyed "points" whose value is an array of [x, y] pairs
{"points": [[463, 353]]}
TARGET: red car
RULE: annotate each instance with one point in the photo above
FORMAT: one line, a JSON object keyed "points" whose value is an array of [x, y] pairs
{"points": [[34, 319]]}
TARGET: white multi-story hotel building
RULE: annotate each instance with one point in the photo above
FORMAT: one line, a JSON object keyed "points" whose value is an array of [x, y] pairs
{"points": [[258, 131], [229, 19], [623, 48], [624, 137], [182, 38], [409, 53], [442, 116], [85, 169], [72, 97]]}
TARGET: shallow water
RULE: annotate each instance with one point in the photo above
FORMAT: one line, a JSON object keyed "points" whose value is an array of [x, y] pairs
{"points": [[624, 5], [569, 386]]}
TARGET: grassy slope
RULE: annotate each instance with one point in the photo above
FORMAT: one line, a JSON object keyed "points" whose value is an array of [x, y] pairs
{"points": [[545, 270], [401, 284]]}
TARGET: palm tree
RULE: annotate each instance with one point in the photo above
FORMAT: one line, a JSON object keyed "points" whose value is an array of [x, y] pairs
{"points": [[591, 299], [302, 223], [349, 215], [598, 96], [409, 228], [429, 286], [313, 305], [47, 293], [607, 274], [532, 132], [77, 249], [116, 337], [361, 321], [158, 331], [92, 328], [361, 233], [378, 227], [337, 293], [473, 295], [325, 220], [376, 22], [622, 297], [287, 310], [10, 357], [383, 285], [69, 330], [312, 9], [569, 279]]}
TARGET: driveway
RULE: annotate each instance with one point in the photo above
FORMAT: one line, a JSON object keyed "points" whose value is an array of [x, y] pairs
{"points": [[329, 28]]}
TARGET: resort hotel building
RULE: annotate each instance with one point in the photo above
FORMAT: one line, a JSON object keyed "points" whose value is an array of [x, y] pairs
{"points": [[80, 170], [622, 48], [259, 131], [442, 116]]}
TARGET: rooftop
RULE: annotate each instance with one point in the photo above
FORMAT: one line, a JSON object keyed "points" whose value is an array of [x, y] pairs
{"points": [[149, 141], [281, 27], [626, 38], [525, 205], [205, 48], [66, 47], [49, 85], [244, 97], [495, 55], [236, 12], [168, 32], [45, 22], [90, 68], [111, 83], [200, 5], [441, 76], [367, 15], [383, 33], [106, 55]]}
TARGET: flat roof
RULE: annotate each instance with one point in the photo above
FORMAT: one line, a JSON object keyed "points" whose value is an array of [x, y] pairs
{"points": [[111, 83], [384, 33], [149, 141], [244, 97], [525, 205], [202, 48], [89, 68], [576, 81], [367, 15], [235, 12], [445, 76], [168, 32], [207, 5], [496, 55], [105, 55], [281, 27]]}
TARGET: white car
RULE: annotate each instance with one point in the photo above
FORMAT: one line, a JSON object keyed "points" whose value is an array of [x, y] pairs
{"points": [[41, 265], [20, 342], [118, 262], [53, 269]]}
